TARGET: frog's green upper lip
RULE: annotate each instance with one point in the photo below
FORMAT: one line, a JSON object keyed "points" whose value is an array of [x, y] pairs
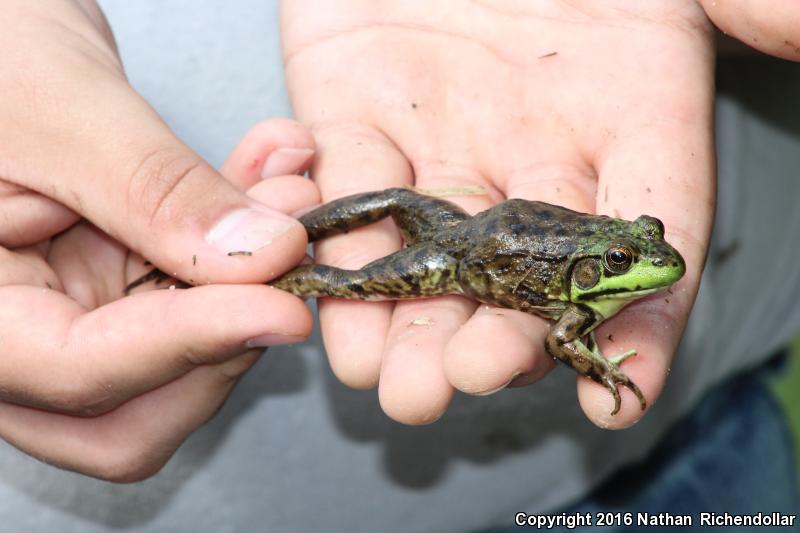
{"points": [[621, 293]]}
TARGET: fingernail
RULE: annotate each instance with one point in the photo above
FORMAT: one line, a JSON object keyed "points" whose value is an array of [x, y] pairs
{"points": [[273, 339], [248, 230], [286, 161]]}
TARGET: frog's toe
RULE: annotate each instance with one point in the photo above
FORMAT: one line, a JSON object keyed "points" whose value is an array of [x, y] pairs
{"points": [[642, 402], [617, 360], [612, 387], [616, 377]]}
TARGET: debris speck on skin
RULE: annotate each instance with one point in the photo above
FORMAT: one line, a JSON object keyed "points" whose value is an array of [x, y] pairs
{"points": [[473, 190], [422, 321], [413, 105], [551, 54], [48, 284], [240, 252], [194, 260]]}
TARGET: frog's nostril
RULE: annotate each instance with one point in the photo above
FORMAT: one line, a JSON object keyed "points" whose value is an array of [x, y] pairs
{"points": [[658, 262]]}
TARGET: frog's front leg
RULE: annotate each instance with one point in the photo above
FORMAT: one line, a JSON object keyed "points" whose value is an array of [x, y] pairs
{"points": [[419, 270], [564, 343]]}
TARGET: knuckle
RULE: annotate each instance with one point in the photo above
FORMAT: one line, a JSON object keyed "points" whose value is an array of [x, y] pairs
{"points": [[160, 181]]}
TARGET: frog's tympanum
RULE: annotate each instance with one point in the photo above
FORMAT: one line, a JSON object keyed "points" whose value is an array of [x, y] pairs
{"points": [[573, 268]]}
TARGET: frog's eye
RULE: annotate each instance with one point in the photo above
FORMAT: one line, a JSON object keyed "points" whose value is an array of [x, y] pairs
{"points": [[618, 259], [653, 228]]}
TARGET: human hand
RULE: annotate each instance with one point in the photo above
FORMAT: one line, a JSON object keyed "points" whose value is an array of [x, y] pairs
{"points": [[90, 380], [604, 109]]}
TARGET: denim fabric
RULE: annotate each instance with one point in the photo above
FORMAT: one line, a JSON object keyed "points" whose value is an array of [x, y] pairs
{"points": [[732, 454]]}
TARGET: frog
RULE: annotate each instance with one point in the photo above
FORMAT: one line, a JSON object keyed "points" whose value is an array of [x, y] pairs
{"points": [[574, 269]]}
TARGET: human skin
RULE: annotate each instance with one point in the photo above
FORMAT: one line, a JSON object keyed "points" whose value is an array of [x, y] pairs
{"points": [[91, 380], [772, 28], [603, 108]]}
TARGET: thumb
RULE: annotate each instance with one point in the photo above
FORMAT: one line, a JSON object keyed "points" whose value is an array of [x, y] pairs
{"points": [[143, 186], [73, 130]]}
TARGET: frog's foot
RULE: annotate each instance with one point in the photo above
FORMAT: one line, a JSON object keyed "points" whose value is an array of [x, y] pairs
{"points": [[156, 276], [608, 372], [611, 376]]}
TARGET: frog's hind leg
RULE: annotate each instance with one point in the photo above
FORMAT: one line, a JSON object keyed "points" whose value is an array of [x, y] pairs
{"points": [[417, 215], [419, 270]]}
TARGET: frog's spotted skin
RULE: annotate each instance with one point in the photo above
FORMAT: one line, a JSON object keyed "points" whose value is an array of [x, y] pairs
{"points": [[573, 268], [524, 255]]}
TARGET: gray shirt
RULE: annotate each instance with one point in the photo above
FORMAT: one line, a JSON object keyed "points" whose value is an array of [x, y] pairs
{"points": [[294, 450]]}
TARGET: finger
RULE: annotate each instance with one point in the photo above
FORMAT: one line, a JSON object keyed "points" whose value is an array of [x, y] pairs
{"points": [[92, 266], [476, 365], [129, 443], [271, 148], [28, 217], [414, 388], [292, 195], [142, 185], [773, 31], [60, 357], [351, 159], [288, 194], [665, 170]]}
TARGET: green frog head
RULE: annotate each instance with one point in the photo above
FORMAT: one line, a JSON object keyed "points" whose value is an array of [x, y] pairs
{"points": [[623, 262]]}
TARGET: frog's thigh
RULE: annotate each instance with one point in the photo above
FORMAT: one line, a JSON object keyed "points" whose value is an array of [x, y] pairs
{"points": [[417, 215], [416, 271], [420, 216], [561, 342]]}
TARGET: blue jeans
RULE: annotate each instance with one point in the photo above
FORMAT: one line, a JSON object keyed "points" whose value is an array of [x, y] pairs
{"points": [[732, 454]]}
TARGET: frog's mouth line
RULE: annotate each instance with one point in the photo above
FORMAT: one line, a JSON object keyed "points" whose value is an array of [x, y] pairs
{"points": [[619, 294]]}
